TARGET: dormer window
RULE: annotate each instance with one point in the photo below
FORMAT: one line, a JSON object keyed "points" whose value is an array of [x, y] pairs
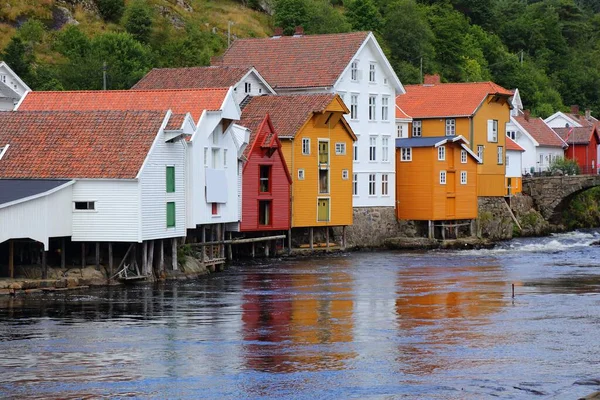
{"points": [[3, 150], [247, 87], [3, 78], [372, 72]]}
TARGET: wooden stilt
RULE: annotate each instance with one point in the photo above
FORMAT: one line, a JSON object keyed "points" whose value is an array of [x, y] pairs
{"points": [[267, 250], [253, 250], [290, 241], [97, 256], [311, 238], [83, 255], [161, 258], [443, 232], [151, 258], [145, 257], [11, 259], [222, 237], [344, 237], [44, 263], [203, 254], [430, 229], [230, 249], [174, 251], [327, 237], [110, 262], [63, 253]]}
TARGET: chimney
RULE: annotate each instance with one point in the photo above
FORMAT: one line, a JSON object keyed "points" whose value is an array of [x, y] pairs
{"points": [[575, 109], [299, 31], [431, 80], [526, 115], [588, 114], [278, 32]]}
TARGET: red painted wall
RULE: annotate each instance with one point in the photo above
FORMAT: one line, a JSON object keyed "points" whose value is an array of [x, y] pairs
{"points": [[280, 187], [586, 155]]}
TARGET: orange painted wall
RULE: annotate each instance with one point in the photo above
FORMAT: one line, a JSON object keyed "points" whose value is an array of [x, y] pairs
{"points": [[516, 185], [437, 127], [419, 194]]}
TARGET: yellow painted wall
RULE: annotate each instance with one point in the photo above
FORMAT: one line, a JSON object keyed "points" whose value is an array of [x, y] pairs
{"points": [[419, 194], [306, 192], [516, 185], [437, 127]]}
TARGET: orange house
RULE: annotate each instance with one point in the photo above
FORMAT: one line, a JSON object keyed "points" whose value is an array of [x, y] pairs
{"points": [[478, 111], [436, 179], [317, 143]]}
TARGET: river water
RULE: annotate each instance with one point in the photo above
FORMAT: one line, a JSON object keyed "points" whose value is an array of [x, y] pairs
{"points": [[434, 325]]}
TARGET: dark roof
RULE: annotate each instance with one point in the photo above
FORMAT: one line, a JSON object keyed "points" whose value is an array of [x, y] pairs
{"points": [[420, 141], [192, 77], [575, 135], [17, 189], [297, 61], [540, 131]]}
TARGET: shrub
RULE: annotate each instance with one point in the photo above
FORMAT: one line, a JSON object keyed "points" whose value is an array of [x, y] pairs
{"points": [[567, 166], [111, 10]]}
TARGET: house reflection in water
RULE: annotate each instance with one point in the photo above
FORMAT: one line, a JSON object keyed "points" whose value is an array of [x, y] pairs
{"points": [[298, 322], [448, 309]]}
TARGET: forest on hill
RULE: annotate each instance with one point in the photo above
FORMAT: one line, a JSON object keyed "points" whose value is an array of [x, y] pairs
{"points": [[549, 49]]}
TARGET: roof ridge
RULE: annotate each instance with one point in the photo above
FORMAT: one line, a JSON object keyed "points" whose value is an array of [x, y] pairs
{"points": [[357, 33], [129, 90]]}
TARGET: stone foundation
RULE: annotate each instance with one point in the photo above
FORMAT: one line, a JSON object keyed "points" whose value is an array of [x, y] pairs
{"points": [[494, 220], [373, 225]]}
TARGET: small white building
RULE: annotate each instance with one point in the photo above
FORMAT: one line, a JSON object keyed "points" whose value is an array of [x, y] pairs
{"points": [[541, 144], [514, 167], [12, 88]]}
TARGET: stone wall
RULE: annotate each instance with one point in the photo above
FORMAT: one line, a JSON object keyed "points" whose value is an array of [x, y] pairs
{"points": [[531, 221], [494, 220], [373, 225]]}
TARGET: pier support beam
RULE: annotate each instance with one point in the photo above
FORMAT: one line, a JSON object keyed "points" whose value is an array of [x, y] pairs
{"points": [[97, 256], [430, 228], [161, 258], [11, 259], [290, 241], [110, 262], [311, 238], [344, 237], [473, 228], [44, 263], [63, 253], [174, 253], [83, 255], [145, 258], [151, 258], [327, 237], [253, 254], [230, 249], [203, 254]]}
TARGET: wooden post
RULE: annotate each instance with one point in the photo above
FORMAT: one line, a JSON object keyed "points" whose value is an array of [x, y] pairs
{"points": [[83, 255], [327, 237], [230, 249], [63, 253], [11, 259], [97, 256], [443, 231], [145, 258], [44, 263], [311, 238], [174, 251], [473, 228], [110, 262], [161, 256], [203, 254], [430, 229], [290, 241], [267, 250], [222, 237], [151, 258], [344, 237], [252, 249]]}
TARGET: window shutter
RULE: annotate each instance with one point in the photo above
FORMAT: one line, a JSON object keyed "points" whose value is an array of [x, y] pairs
{"points": [[490, 130], [170, 179], [170, 214]]}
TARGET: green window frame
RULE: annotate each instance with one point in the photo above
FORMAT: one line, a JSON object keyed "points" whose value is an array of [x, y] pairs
{"points": [[171, 214], [170, 179]]}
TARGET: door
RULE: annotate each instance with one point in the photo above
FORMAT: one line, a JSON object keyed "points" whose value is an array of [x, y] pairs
{"points": [[323, 210], [450, 194], [323, 152]]}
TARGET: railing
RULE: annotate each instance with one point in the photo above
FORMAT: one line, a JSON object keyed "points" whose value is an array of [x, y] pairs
{"points": [[545, 171]]}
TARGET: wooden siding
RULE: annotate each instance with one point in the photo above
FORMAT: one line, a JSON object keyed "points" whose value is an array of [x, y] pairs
{"points": [[420, 194], [516, 185], [280, 188], [305, 192], [437, 127], [584, 155]]}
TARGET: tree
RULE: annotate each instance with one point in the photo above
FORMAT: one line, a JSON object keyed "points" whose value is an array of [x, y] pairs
{"points": [[291, 13], [138, 20], [111, 10], [363, 15], [18, 58]]}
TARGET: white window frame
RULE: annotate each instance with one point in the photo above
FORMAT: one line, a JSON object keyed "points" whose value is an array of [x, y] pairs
{"points": [[354, 106], [354, 184], [301, 175], [442, 177], [372, 107], [85, 210], [450, 127], [463, 156], [306, 146], [3, 150], [406, 154], [500, 159], [463, 177], [354, 71], [345, 174], [399, 130], [355, 151], [372, 71], [340, 149], [247, 87], [385, 148], [442, 153], [416, 131], [385, 185], [480, 151], [492, 134], [385, 115], [512, 134], [373, 184], [372, 148]]}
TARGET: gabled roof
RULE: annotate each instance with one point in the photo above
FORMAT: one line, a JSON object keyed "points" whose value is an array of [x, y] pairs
{"points": [[447, 99], [400, 114], [196, 78], [301, 61], [289, 113], [180, 101], [512, 145], [73, 144], [18, 79], [436, 141], [577, 135], [539, 131]]}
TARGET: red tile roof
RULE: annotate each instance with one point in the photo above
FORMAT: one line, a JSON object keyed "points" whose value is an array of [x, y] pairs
{"points": [[175, 122], [581, 135], [194, 77], [400, 114], [72, 144], [583, 121], [288, 112], [180, 101], [512, 145], [540, 131], [447, 99], [295, 62]]}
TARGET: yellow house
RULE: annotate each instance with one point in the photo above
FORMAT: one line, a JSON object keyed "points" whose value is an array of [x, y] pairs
{"points": [[478, 111], [317, 144]]}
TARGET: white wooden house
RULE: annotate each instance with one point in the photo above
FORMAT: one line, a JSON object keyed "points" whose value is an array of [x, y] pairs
{"points": [[352, 65], [12, 88]]}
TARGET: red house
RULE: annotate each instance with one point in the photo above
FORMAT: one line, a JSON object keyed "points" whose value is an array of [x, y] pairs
{"points": [[266, 180], [583, 146]]}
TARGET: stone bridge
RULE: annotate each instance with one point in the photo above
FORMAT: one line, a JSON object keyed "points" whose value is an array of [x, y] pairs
{"points": [[553, 193]]}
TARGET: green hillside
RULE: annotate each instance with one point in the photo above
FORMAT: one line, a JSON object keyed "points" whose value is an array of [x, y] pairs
{"points": [[549, 49]]}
